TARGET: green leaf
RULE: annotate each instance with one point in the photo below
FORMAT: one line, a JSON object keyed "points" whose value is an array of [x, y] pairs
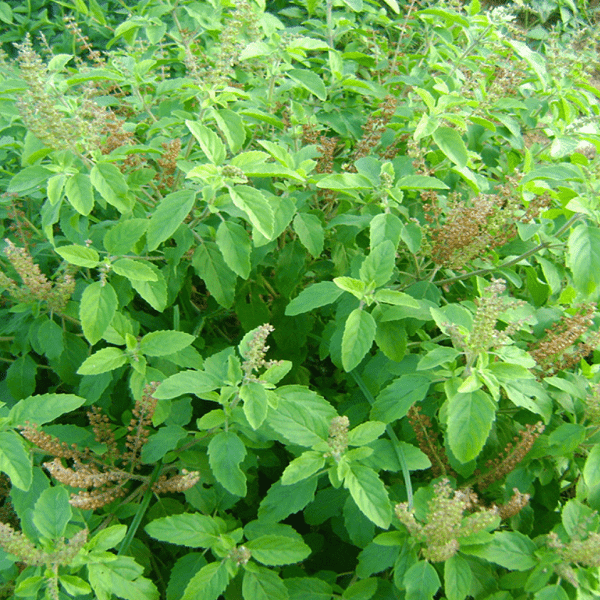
{"points": [[314, 296], [457, 578], [391, 338], [308, 588], [591, 469], [232, 127], [304, 466], [44, 408], [345, 181], [79, 255], [28, 180], [355, 5], [153, 292], [134, 269], [52, 513], [394, 401], [365, 433], [421, 182], [310, 231], [74, 586], [361, 590], [359, 333], [356, 287], [168, 216], [15, 460], [378, 267], [263, 584], [452, 145], [369, 493], [309, 80], [162, 343], [256, 404], [393, 4], [535, 60], [470, 418], [209, 141], [511, 550], [102, 361], [225, 453], [209, 583], [396, 298], [163, 441], [421, 581], [234, 243], [583, 255], [302, 416], [385, 226], [121, 577], [20, 377], [186, 382], [96, 310], [80, 193], [190, 529], [550, 592], [256, 206], [121, 238], [275, 550], [282, 501], [111, 185], [218, 277]]}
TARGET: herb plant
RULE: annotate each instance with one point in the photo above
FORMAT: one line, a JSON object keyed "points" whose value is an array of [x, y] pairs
{"points": [[298, 302]]}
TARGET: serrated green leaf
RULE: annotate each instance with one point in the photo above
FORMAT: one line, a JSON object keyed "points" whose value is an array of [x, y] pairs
{"points": [[191, 529], [153, 292], [282, 501], [369, 493], [583, 255], [79, 255], [421, 182], [310, 231], [275, 550], [225, 453], [218, 277], [356, 287], [511, 550], [378, 267], [121, 577], [168, 216], [314, 296], [302, 416], [359, 333], [121, 238], [162, 343], [391, 338], [470, 418], [309, 80], [186, 382], [304, 466], [256, 404], [421, 581], [253, 202], [365, 433], [15, 460], [111, 185], [102, 361], [80, 193], [457, 578], [20, 377], [396, 298], [96, 310], [591, 469], [452, 145], [395, 400], [385, 226], [263, 584], [234, 243], [308, 588], [134, 269], [44, 408], [345, 181], [209, 583], [52, 513], [209, 141], [232, 126]]}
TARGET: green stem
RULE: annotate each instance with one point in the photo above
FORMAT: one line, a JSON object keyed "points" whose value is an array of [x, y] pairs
{"points": [[139, 515]]}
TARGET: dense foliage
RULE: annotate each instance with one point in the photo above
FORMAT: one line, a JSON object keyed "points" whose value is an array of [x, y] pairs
{"points": [[298, 300]]}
